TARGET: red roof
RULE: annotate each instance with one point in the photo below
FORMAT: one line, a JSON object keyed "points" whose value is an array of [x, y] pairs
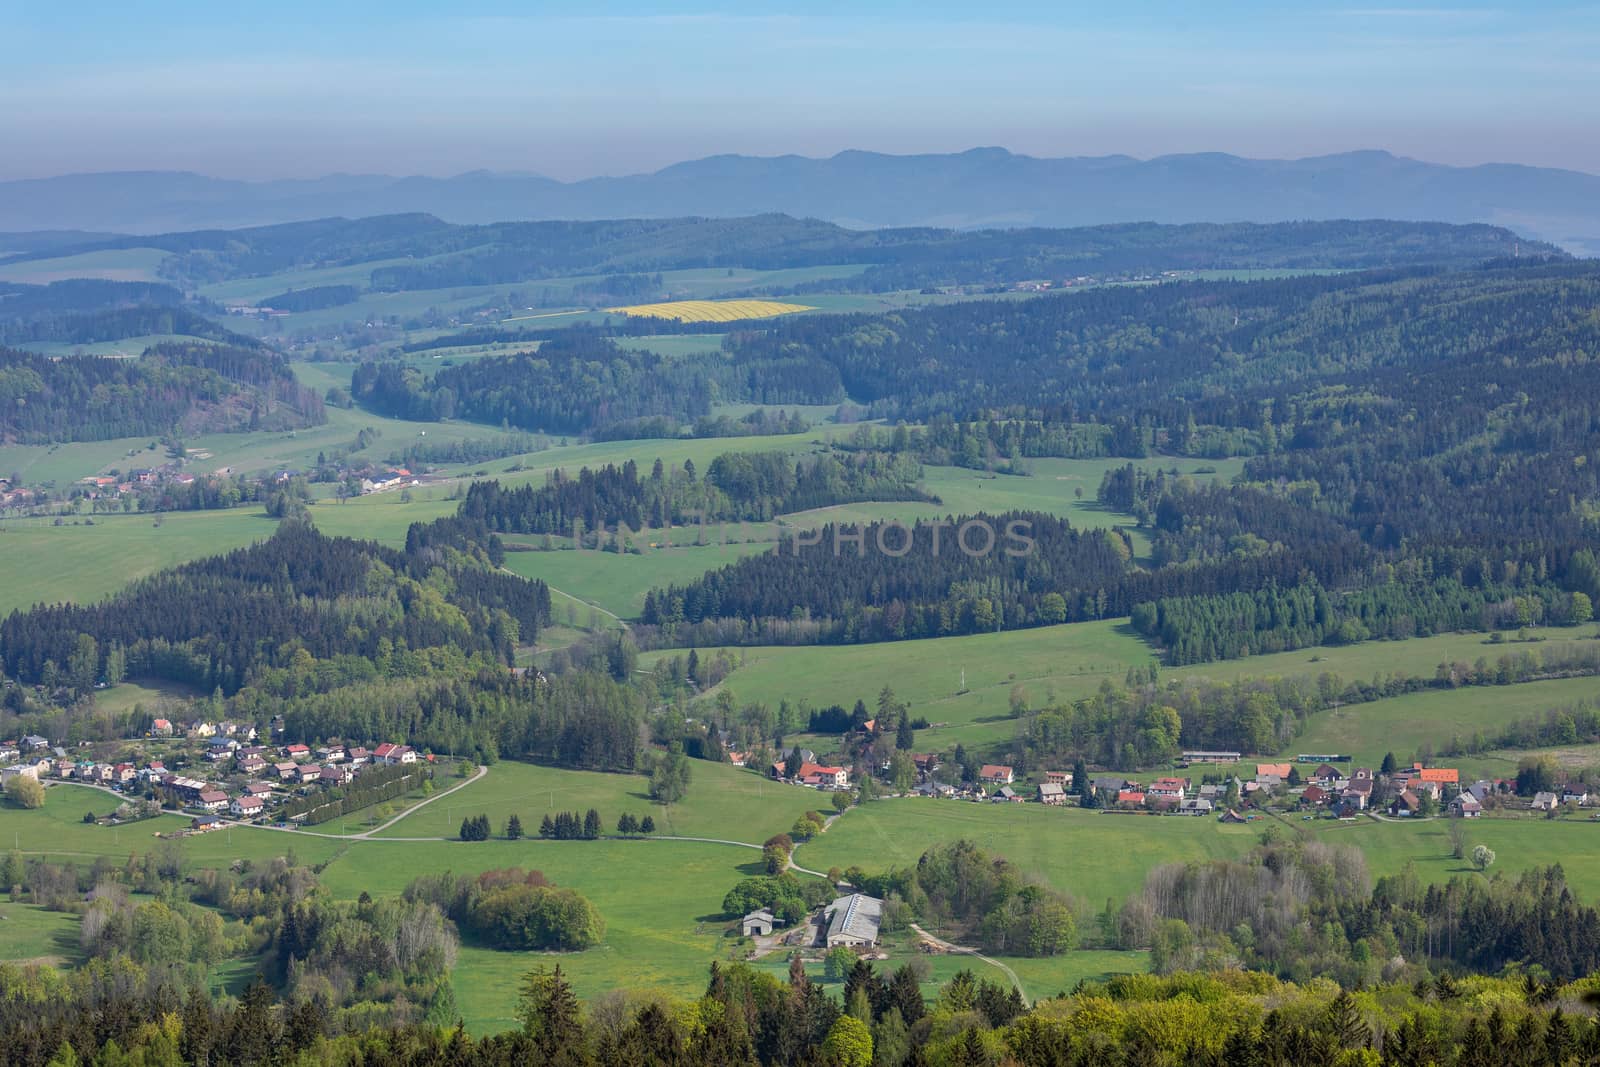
{"points": [[1129, 796], [993, 770]]}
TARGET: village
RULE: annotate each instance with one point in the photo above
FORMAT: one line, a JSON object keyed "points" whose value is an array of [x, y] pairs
{"points": [[1311, 785], [222, 771]]}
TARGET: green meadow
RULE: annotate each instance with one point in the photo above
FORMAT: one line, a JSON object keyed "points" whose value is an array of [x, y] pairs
{"points": [[1093, 856], [962, 685], [618, 582], [1404, 724], [28, 932], [110, 264], [723, 801]]}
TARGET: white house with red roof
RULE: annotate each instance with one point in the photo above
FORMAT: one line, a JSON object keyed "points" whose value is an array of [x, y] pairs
{"points": [[816, 774], [247, 807]]}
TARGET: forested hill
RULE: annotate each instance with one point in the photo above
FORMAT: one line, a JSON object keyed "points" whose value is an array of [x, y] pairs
{"points": [[86, 311], [582, 382], [173, 386], [1427, 457], [440, 254], [737, 487], [220, 621]]}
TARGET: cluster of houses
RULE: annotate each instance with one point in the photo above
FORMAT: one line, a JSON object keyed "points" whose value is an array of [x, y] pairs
{"points": [[231, 751], [811, 773], [15, 496], [379, 481], [103, 486]]}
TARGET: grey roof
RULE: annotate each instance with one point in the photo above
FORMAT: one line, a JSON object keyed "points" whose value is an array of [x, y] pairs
{"points": [[856, 916], [760, 913]]}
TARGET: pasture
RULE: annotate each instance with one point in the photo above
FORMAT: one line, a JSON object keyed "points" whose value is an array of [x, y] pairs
{"points": [[723, 801], [30, 933], [618, 583], [663, 939], [1404, 724], [963, 684], [1095, 857]]}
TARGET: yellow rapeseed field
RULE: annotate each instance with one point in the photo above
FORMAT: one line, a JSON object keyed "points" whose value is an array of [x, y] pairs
{"points": [[711, 310]]}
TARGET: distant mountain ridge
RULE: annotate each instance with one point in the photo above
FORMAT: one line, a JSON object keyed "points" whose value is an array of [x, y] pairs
{"points": [[983, 187]]}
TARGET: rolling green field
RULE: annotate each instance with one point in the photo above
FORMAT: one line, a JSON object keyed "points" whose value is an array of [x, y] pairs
{"points": [[663, 940], [1067, 662], [111, 264], [559, 300], [49, 564], [618, 583], [31, 933], [1092, 856], [1402, 724], [127, 347], [723, 802]]}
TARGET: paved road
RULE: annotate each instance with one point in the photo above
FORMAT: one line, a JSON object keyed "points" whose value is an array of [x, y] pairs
{"points": [[960, 950]]}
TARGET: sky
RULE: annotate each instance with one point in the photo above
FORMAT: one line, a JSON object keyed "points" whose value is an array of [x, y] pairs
{"points": [[572, 90]]}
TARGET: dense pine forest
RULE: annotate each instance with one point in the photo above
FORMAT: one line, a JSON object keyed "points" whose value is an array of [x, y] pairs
{"points": [[737, 486], [173, 386], [1396, 423], [582, 382]]}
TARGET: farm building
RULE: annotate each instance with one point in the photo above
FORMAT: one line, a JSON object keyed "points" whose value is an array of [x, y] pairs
{"points": [[1466, 806], [852, 921], [757, 924], [1200, 756], [1052, 793]]}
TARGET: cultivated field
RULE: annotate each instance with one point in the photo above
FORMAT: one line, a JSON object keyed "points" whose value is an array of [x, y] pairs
{"points": [[711, 310]]}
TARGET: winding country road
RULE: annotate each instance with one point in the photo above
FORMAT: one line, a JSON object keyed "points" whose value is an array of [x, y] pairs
{"points": [[940, 942]]}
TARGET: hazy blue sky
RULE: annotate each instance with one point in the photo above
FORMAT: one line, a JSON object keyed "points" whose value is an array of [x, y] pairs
{"points": [[291, 88]]}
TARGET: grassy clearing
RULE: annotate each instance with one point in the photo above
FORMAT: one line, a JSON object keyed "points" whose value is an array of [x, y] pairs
{"points": [[723, 801], [111, 264], [618, 583], [711, 310], [126, 347], [31, 933], [150, 692]]}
